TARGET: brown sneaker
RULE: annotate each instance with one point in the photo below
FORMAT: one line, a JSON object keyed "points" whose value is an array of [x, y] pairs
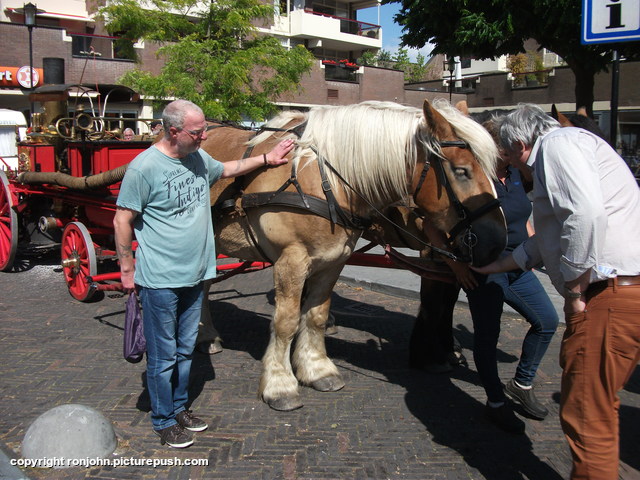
{"points": [[190, 422], [175, 436]]}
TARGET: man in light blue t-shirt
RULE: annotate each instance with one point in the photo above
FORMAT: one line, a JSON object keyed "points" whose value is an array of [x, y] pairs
{"points": [[164, 198]]}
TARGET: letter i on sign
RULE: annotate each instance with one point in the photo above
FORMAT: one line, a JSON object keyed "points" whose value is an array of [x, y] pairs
{"points": [[615, 14]]}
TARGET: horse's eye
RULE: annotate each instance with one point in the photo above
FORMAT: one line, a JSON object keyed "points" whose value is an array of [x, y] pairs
{"points": [[461, 172]]}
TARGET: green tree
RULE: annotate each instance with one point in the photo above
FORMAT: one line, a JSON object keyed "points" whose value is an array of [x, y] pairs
{"points": [[385, 59], [490, 28], [368, 59], [413, 71], [212, 54]]}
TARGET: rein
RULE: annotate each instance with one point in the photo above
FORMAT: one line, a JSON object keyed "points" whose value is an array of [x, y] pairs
{"points": [[446, 253]]}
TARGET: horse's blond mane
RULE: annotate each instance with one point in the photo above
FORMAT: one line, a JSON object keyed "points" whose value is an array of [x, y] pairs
{"points": [[374, 145]]}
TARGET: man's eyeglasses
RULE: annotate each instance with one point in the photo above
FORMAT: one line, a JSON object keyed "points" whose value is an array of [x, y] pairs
{"points": [[195, 133]]}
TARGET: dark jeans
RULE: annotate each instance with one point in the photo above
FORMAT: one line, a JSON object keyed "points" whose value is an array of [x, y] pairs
{"points": [[432, 336], [524, 293]]}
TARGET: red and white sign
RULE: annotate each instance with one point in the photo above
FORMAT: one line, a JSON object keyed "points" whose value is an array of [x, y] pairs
{"points": [[19, 76], [26, 80]]}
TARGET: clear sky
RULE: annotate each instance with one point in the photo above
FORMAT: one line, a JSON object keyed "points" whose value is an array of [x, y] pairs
{"points": [[391, 31]]}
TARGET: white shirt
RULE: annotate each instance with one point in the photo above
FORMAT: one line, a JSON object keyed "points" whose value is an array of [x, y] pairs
{"points": [[586, 209]]}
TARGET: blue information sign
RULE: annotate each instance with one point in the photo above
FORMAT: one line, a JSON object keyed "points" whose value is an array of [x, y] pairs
{"points": [[605, 21]]}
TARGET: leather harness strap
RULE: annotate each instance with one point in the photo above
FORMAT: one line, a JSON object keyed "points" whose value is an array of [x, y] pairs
{"points": [[309, 203]]}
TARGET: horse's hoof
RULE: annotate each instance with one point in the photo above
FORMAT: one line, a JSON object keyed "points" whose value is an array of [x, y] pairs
{"points": [[328, 384], [285, 404]]}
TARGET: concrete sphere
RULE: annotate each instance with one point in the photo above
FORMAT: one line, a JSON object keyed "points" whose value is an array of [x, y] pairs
{"points": [[69, 432]]}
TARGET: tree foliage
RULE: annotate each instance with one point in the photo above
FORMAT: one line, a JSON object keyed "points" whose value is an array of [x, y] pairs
{"points": [[490, 28], [413, 71], [212, 54]]}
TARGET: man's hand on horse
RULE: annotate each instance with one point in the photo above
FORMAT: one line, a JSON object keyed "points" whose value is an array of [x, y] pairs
{"points": [[278, 156]]}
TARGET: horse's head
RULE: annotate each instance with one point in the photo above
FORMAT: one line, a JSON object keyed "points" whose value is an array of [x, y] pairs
{"points": [[453, 188]]}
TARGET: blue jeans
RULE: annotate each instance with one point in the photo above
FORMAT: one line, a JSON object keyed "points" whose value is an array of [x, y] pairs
{"points": [[525, 294], [171, 317]]}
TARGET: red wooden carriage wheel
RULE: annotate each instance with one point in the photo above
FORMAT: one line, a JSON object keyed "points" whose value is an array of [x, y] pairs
{"points": [[8, 225], [78, 260]]}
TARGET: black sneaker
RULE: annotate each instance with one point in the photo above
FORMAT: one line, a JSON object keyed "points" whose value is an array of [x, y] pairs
{"points": [[504, 418], [456, 359], [527, 400], [189, 422], [175, 436]]}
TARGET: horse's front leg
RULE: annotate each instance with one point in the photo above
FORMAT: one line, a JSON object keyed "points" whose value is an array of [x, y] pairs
{"points": [[278, 385], [310, 361]]}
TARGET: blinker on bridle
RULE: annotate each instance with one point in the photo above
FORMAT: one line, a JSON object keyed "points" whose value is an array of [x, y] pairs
{"points": [[466, 216]]}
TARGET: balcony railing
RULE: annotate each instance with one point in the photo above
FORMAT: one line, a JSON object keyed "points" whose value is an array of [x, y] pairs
{"points": [[353, 27], [100, 46]]}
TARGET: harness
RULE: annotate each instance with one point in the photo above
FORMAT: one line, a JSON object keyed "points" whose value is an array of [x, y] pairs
{"points": [[330, 209]]}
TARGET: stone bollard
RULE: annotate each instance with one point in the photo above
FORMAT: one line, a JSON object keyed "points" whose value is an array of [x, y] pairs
{"points": [[68, 436]]}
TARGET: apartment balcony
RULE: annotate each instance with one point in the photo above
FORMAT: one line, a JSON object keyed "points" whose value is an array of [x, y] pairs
{"points": [[100, 46], [335, 32]]}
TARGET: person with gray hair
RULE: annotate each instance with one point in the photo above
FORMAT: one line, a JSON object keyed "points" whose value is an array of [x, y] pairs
{"points": [[128, 134], [585, 211], [164, 198]]}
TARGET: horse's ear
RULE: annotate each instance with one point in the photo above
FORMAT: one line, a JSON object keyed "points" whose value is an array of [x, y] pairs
{"points": [[564, 120], [561, 118], [582, 111], [463, 107], [435, 121]]}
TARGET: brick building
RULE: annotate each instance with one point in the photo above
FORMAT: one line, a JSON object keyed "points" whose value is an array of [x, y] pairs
{"points": [[75, 45]]}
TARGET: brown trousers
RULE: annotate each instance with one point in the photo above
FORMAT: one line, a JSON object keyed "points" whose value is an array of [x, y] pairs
{"points": [[600, 349]]}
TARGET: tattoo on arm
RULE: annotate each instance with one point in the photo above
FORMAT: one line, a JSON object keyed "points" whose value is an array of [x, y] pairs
{"points": [[124, 251], [239, 165]]}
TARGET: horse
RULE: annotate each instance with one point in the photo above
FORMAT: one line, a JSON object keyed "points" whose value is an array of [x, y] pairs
{"points": [[350, 161], [579, 119]]}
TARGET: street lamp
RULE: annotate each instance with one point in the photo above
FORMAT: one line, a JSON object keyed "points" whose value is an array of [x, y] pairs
{"points": [[30, 12], [452, 68]]}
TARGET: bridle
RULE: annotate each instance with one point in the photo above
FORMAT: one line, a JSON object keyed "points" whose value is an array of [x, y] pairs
{"points": [[466, 217]]}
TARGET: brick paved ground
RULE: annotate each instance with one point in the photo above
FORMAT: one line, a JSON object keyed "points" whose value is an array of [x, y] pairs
{"points": [[388, 422]]}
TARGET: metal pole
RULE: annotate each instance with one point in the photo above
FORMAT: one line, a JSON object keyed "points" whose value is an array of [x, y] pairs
{"points": [[31, 69], [615, 76], [450, 86]]}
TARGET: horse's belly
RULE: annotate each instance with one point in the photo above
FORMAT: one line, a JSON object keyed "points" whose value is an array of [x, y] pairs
{"points": [[278, 231]]}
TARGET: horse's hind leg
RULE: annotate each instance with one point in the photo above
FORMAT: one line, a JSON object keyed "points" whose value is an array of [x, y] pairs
{"points": [[278, 385], [310, 361]]}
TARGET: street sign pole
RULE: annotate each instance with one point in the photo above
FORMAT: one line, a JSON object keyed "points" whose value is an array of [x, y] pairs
{"points": [[608, 21], [615, 75]]}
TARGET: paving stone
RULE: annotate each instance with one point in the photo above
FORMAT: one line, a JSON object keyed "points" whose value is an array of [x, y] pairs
{"points": [[388, 422]]}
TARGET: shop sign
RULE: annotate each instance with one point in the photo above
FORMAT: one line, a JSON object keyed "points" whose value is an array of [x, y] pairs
{"points": [[19, 76]]}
